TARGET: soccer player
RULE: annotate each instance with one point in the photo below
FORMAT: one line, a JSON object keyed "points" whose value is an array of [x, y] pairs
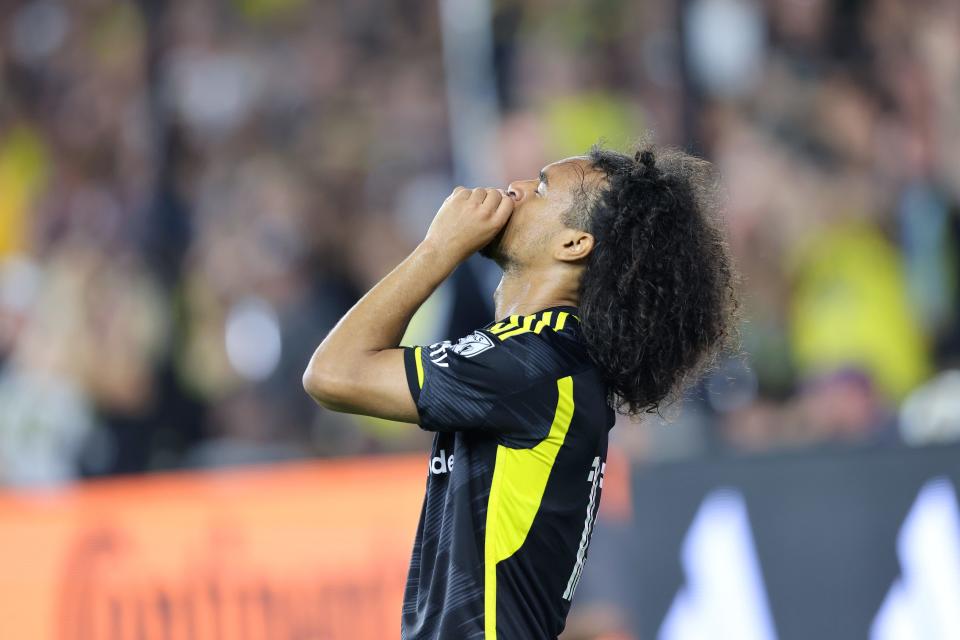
{"points": [[616, 289]]}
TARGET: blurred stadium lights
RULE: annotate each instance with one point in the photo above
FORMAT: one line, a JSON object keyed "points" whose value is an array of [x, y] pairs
{"points": [[253, 338], [725, 40]]}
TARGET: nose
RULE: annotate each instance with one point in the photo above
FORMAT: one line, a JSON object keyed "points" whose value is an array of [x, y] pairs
{"points": [[517, 190]]}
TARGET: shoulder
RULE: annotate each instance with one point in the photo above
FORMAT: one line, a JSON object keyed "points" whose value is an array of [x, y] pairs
{"points": [[510, 354], [544, 344]]}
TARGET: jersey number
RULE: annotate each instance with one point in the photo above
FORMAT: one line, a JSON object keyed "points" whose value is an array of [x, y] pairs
{"points": [[595, 478]]}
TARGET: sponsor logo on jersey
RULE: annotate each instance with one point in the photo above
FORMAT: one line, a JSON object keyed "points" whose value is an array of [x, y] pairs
{"points": [[442, 463]]}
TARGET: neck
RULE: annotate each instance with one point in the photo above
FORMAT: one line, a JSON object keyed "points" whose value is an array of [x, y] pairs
{"points": [[529, 290]]}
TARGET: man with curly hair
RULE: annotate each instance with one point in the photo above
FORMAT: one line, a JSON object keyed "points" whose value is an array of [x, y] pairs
{"points": [[617, 289]]}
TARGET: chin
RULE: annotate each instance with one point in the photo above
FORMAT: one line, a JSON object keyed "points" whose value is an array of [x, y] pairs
{"points": [[490, 251], [494, 249]]}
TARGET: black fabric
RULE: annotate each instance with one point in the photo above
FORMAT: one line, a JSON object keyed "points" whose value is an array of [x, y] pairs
{"points": [[497, 387], [410, 364]]}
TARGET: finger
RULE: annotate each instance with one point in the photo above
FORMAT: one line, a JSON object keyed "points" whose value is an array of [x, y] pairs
{"points": [[504, 208], [459, 191], [478, 196], [491, 198]]}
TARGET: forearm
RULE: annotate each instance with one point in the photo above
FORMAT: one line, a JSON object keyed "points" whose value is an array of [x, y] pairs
{"points": [[358, 367], [380, 318]]}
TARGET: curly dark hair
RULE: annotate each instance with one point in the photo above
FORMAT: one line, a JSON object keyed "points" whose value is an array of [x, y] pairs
{"points": [[658, 294]]}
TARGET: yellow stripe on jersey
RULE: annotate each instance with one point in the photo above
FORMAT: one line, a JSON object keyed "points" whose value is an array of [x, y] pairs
{"points": [[515, 326], [525, 327], [561, 321], [544, 321], [416, 358], [500, 327], [519, 481]]}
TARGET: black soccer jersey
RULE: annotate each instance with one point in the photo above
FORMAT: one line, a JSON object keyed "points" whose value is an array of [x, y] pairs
{"points": [[513, 480]]}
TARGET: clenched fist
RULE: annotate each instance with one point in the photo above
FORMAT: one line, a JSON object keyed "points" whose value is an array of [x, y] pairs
{"points": [[468, 220]]}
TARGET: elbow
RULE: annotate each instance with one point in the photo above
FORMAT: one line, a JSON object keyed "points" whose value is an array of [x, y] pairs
{"points": [[318, 385], [330, 388]]}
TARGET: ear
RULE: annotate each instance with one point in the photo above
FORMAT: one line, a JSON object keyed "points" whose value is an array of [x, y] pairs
{"points": [[573, 245]]}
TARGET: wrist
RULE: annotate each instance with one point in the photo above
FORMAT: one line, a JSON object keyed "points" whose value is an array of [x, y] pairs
{"points": [[441, 260]]}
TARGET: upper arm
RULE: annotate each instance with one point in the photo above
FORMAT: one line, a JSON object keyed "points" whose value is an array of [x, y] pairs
{"points": [[374, 385], [481, 382], [502, 387]]}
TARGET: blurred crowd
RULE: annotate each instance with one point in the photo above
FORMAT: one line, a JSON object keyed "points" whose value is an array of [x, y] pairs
{"points": [[193, 192]]}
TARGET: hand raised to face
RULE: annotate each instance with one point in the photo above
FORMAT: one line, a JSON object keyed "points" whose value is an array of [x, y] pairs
{"points": [[468, 220]]}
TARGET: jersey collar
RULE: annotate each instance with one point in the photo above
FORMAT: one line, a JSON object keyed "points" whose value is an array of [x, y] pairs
{"points": [[573, 310]]}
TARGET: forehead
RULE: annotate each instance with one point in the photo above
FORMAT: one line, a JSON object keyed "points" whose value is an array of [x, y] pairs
{"points": [[569, 170]]}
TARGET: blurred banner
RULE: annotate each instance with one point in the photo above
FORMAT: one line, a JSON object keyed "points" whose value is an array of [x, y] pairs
{"points": [[299, 551], [831, 544]]}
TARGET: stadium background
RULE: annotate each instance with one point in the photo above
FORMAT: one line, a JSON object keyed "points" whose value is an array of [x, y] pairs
{"points": [[193, 192]]}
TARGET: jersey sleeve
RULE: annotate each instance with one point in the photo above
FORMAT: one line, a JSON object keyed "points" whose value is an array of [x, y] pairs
{"points": [[482, 383]]}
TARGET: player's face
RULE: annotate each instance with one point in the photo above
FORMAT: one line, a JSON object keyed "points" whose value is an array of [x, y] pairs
{"points": [[539, 204]]}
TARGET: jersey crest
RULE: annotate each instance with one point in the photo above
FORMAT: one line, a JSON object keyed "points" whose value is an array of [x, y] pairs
{"points": [[467, 346]]}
